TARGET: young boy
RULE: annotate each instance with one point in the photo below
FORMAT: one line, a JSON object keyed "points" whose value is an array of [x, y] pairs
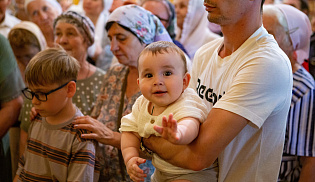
{"points": [[55, 150], [163, 81]]}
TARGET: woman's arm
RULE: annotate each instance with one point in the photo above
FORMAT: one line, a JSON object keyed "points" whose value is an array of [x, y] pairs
{"points": [[98, 130]]}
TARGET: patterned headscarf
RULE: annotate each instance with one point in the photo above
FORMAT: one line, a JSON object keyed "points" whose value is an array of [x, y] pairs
{"points": [[147, 27], [83, 23], [299, 30], [171, 14]]}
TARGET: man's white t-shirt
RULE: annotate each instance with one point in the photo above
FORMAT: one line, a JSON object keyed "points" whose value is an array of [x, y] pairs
{"points": [[254, 82]]}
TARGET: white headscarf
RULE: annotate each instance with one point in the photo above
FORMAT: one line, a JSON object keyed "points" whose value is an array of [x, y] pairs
{"points": [[34, 29], [54, 3], [195, 32], [299, 30]]}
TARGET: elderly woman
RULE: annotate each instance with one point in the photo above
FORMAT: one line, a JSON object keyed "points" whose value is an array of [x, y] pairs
{"points": [[291, 29], [75, 33], [130, 28], [43, 13]]}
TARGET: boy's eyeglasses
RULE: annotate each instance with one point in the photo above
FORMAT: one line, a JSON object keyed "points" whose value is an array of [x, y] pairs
{"points": [[40, 95]]}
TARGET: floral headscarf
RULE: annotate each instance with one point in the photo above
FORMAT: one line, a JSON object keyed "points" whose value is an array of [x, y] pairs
{"points": [[147, 27]]}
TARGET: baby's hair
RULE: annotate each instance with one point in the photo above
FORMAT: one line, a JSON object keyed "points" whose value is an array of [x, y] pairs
{"points": [[20, 38], [161, 47], [51, 66]]}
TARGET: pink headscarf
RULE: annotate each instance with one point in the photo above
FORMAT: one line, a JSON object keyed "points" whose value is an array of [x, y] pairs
{"points": [[299, 30]]}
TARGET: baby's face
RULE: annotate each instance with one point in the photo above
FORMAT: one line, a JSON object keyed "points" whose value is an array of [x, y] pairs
{"points": [[162, 78]]}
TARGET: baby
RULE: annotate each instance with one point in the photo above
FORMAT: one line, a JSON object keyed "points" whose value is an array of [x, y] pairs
{"points": [[163, 81]]}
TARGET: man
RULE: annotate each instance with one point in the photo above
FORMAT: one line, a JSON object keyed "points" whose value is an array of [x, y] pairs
{"points": [[7, 21], [298, 162], [245, 79]]}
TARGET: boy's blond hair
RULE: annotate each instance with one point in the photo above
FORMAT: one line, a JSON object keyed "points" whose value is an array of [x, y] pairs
{"points": [[51, 66], [161, 47]]}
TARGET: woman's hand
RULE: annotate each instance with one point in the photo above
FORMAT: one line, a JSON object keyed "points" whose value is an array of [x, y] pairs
{"points": [[98, 130], [34, 114]]}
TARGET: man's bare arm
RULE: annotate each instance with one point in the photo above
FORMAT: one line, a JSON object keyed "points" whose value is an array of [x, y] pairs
{"points": [[9, 113], [308, 169], [219, 129]]}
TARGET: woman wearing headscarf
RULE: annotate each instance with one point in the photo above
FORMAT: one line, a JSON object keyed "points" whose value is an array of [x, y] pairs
{"points": [[192, 25], [130, 28], [292, 29], [26, 40], [74, 33], [43, 13], [165, 11]]}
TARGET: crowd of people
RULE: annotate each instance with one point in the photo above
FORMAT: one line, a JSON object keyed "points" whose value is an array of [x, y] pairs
{"points": [[157, 90]]}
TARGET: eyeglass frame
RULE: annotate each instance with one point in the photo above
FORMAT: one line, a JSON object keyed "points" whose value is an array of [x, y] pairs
{"points": [[47, 93], [162, 19]]}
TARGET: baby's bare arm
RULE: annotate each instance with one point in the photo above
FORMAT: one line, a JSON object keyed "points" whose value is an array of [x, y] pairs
{"points": [[130, 144], [182, 132]]}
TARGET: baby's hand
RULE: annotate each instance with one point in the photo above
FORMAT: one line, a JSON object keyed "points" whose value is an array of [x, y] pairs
{"points": [[169, 129], [135, 173]]}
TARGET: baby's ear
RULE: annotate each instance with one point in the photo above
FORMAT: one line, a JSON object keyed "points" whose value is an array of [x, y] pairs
{"points": [[71, 88], [186, 80]]}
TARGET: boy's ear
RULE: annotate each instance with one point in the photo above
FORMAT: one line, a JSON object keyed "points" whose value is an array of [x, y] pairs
{"points": [[71, 88], [186, 80], [138, 81]]}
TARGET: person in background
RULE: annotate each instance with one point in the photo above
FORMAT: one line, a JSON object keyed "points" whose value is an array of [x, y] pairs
{"points": [[302, 5], [11, 84], [245, 80], [20, 11], [26, 41], [312, 50], [43, 13], [130, 29], [7, 21], [192, 25], [291, 28], [97, 11], [55, 150], [74, 33], [165, 11]]}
